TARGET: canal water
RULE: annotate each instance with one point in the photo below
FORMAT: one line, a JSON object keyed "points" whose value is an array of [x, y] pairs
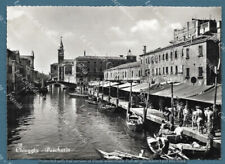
{"points": [[61, 127]]}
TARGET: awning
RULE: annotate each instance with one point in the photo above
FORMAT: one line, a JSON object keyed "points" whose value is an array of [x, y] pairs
{"points": [[109, 84], [125, 85], [137, 88], [93, 83], [208, 96], [180, 90]]}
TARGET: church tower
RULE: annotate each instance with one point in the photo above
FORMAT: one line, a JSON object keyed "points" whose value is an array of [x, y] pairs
{"points": [[60, 52]]}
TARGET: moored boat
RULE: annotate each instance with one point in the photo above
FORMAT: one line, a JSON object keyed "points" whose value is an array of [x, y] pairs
{"points": [[134, 122], [92, 102], [160, 146], [78, 95], [190, 149], [118, 155], [107, 107]]}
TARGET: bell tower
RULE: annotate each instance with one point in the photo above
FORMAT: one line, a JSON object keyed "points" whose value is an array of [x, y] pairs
{"points": [[60, 52]]}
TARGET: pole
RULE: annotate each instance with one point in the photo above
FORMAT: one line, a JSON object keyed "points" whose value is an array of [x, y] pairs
{"points": [[172, 103], [98, 88], [117, 95], [146, 104], [130, 101], [109, 91]]}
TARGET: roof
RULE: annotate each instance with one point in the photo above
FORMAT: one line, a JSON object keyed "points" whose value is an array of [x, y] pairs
{"points": [[101, 57], [127, 65], [125, 85], [180, 90], [54, 64], [200, 39], [137, 88], [208, 96]]}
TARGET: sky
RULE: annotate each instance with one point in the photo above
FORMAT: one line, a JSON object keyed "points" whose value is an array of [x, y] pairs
{"points": [[110, 31]]}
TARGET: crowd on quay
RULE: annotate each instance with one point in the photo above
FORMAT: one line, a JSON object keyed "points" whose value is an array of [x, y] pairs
{"points": [[203, 118]]}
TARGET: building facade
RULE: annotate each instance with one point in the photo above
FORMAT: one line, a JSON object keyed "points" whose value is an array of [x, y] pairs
{"points": [[190, 58], [20, 72], [91, 68], [125, 72]]}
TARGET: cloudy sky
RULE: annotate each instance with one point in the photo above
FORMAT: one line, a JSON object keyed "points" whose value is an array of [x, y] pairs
{"points": [[98, 30]]}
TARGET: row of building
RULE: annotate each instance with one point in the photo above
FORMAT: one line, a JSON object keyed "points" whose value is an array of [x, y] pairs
{"points": [[84, 69], [21, 74], [191, 58]]}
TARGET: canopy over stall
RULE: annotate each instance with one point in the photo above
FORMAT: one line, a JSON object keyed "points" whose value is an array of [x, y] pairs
{"points": [[208, 96]]}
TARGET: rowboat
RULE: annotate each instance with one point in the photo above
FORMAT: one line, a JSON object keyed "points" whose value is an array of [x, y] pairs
{"points": [[190, 149], [78, 95], [107, 107], [118, 155], [134, 122], [161, 147], [92, 102]]}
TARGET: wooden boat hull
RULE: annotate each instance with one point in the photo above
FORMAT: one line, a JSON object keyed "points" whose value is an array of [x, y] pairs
{"points": [[92, 102], [134, 127], [153, 145], [77, 95], [117, 155]]}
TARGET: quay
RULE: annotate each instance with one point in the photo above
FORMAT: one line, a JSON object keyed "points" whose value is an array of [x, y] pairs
{"points": [[156, 116]]}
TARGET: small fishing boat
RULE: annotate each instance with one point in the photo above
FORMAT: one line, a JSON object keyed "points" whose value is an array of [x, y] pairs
{"points": [[160, 146], [118, 155], [189, 149], [78, 95], [107, 107], [134, 122], [92, 101]]}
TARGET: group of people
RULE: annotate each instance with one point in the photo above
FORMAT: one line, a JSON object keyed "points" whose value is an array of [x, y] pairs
{"points": [[201, 117]]}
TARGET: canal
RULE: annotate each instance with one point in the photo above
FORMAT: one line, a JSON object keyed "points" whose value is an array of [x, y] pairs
{"points": [[61, 127]]}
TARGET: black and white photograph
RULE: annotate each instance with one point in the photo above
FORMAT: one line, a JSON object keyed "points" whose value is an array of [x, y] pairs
{"points": [[114, 83]]}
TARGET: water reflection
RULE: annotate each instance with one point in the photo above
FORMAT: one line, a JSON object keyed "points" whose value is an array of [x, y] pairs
{"points": [[61, 121]]}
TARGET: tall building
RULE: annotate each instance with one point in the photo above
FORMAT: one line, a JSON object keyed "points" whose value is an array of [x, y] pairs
{"points": [[191, 58], [64, 69]]}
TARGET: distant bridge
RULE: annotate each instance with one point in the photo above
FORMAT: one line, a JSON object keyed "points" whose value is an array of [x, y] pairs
{"points": [[68, 84]]}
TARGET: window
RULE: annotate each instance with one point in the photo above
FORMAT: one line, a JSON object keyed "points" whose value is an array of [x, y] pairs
{"points": [[200, 51], [159, 71], [156, 71], [146, 60], [141, 61], [166, 56], [125, 74], [152, 59], [171, 56], [175, 55], [167, 72], [159, 58], [139, 73], [176, 70], [171, 70], [132, 73], [163, 70], [187, 53], [163, 57], [187, 72], [200, 72], [152, 71]]}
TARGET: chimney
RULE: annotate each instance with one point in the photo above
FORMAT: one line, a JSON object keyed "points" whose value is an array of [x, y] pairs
{"points": [[144, 50], [84, 53]]}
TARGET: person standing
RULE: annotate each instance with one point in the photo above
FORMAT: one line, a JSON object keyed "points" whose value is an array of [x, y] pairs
{"points": [[185, 115]]}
